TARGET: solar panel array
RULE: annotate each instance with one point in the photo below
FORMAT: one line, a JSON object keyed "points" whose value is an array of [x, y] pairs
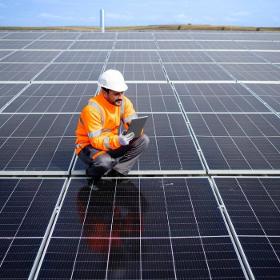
{"points": [[203, 200]]}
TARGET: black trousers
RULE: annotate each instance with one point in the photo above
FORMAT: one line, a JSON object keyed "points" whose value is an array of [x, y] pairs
{"points": [[121, 159]]}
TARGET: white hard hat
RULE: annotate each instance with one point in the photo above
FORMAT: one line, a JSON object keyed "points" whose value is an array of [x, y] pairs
{"points": [[112, 79]]}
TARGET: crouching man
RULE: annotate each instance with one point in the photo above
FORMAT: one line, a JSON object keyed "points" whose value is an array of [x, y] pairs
{"points": [[99, 142]]}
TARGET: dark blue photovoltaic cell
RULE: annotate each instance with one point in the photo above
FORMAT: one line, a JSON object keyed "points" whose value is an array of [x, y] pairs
{"points": [[8, 91], [238, 141], [252, 204], [169, 139], [71, 72], [46, 141], [140, 215], [190, 203], [55, 98], [27, 205], [17, 257], [263, 255]]}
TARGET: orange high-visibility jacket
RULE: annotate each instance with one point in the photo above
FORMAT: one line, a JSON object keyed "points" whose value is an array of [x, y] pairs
{"points": [[100, 121]]}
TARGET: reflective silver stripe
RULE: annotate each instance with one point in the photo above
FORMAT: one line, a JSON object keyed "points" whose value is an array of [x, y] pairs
{"points": [[94, 133], [106, 142], [96, 106], [129, 118]]}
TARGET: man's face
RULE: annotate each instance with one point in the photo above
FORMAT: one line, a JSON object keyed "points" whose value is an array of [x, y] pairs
{"points": [[114, 97]]}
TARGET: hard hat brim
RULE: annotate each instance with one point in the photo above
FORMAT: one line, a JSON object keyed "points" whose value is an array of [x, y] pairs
{"points": [[121, 88]]}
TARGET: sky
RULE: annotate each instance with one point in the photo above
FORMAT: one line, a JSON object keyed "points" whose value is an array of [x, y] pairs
{"points": [[135, 12]]}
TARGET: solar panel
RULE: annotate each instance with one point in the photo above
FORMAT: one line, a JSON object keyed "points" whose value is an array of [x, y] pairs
{"points": [[37, 143], [71, 72], [260, 45], [19, 71], [268, 93], [8, 91], [52, 98], [26, 209], [184, 56], [14, 262], [135, 36], [31, 56], [92, 45], [149, 90], [133, 57], [263, 256], [4, 53], [222, 45], [213, 103], [60, 36], [178, 45], [135, 45], [196, 72], [222, 104], [97, 36], [273, 57], [207, 35], [169, 139], [209, 90], [268, 36], [218, 98], [172, 35], [6, 44], [152, 98], [3, 34], [253, 206], [23, 35], [253, 72], [82, 56], [235, 56], [55, 45], [147, 238], [139, 72], [240, 142]]}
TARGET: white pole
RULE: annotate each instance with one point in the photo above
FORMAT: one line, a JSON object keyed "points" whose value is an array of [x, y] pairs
{"points": [[102, 21]]}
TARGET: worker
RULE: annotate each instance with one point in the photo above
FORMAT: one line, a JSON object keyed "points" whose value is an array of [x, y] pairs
{"points": [[100, 143]]}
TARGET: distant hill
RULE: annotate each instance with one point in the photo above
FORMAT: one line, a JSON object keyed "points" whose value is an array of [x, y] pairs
{"points": [[146, 28]]}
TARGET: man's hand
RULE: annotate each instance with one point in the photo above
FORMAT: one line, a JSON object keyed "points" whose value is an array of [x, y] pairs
{"points": [[125, 139]]}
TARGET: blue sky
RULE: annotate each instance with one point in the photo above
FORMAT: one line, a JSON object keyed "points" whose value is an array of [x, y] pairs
{"points": [[86, 12]]}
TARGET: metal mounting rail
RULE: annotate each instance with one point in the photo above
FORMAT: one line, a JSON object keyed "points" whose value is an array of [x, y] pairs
{"points": [[232, 233]]}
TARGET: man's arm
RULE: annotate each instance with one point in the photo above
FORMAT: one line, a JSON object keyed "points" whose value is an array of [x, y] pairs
{"points": [[92, 122]]}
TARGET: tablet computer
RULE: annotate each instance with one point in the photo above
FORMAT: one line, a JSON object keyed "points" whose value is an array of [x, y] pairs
{"points": [[137, 125]]}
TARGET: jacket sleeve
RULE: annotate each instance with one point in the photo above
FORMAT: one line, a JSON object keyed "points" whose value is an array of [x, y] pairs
{"points": [[93, 124], [128, 114]]}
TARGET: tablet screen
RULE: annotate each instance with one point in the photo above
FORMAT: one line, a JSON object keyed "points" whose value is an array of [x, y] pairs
{"points": [[137, 125]]}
